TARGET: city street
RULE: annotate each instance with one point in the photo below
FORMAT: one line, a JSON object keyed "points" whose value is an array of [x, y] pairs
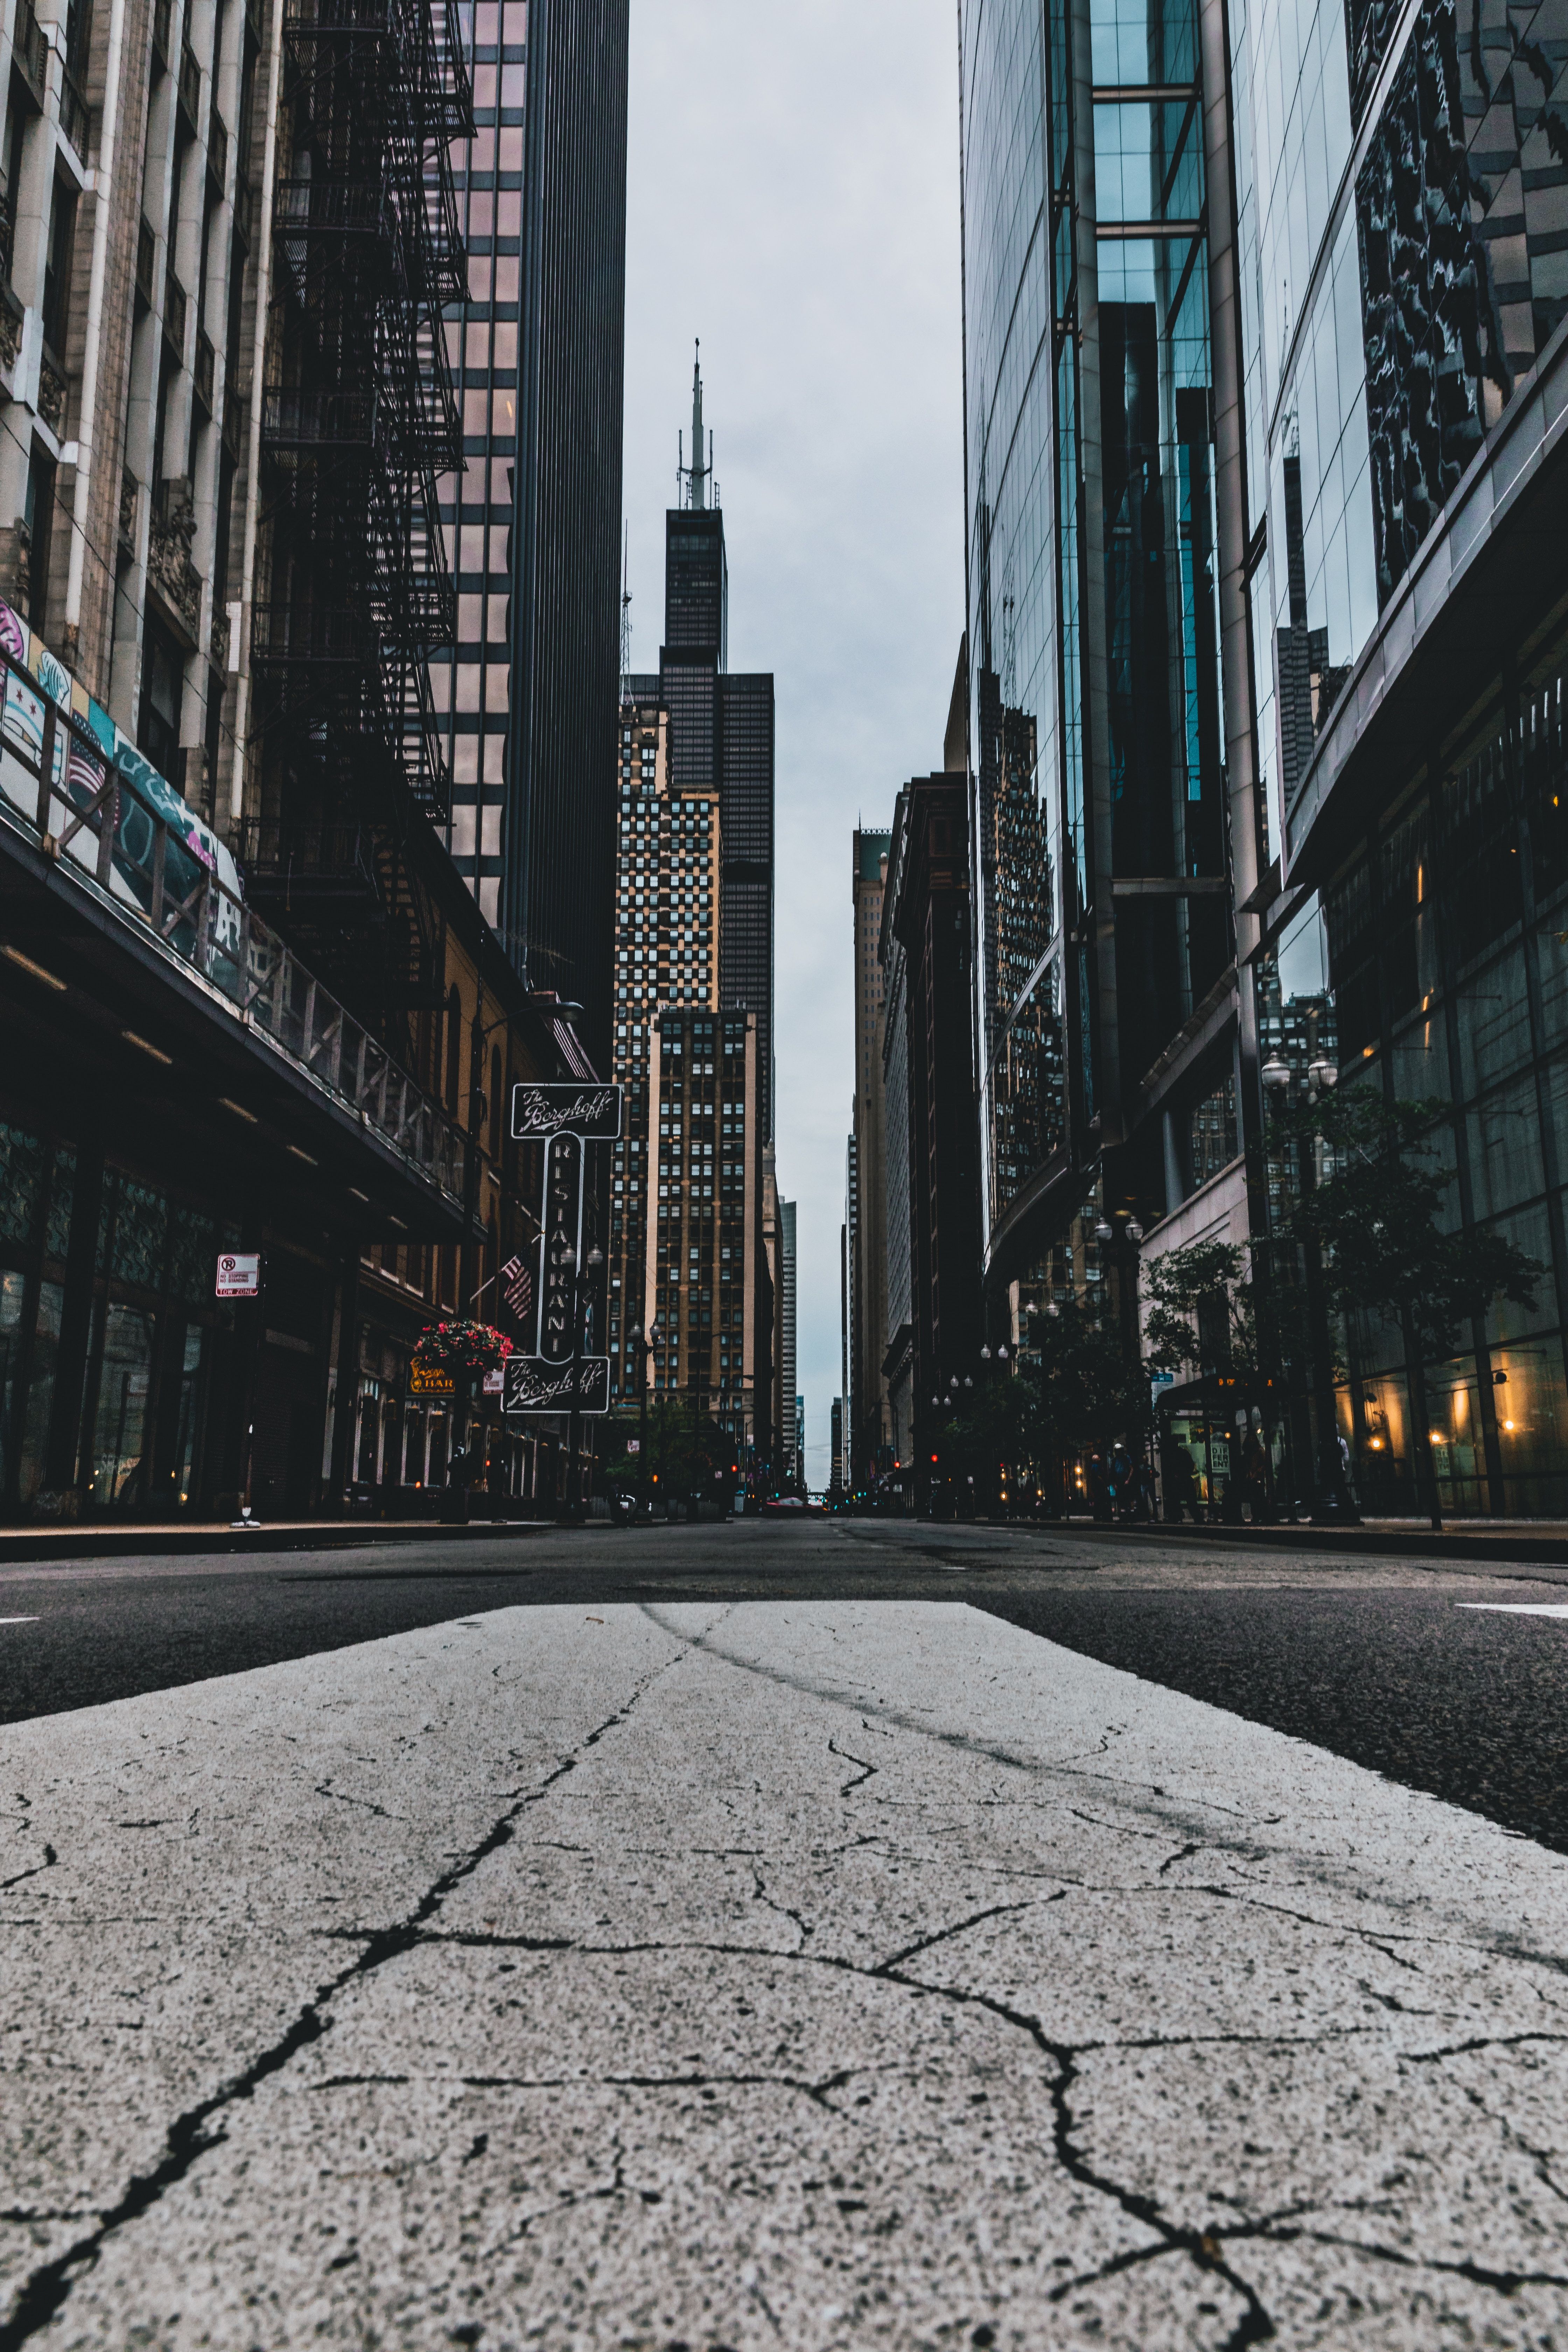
{"points": [[823, 1935]]}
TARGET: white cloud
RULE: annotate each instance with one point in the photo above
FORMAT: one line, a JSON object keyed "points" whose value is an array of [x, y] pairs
{"points": [[793, 201]]}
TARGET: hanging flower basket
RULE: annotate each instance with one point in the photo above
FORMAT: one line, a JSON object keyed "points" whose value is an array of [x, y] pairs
{"points": [[461, 1347]]}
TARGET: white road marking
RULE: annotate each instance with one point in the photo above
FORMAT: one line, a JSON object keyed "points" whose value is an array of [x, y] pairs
{"points": [[18, 1621], [1518, 1608], [893, 1850]]}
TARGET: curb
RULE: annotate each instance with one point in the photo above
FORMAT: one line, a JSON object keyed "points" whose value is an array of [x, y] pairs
{"points": [[1419, 1542], [174, 1543]]}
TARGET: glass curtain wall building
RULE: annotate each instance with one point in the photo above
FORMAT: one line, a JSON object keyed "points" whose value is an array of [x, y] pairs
{"points": [[1401, 176], [533, 521], [1105, 969]]}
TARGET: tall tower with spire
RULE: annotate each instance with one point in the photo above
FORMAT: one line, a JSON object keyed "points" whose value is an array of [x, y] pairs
{"points": [[721, 735]]}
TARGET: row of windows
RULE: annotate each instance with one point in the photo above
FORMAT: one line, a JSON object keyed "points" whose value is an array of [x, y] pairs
{"points": [[459, 687], [496, 147], [478, 344], [494, 212], [503, 85], [484, 23]]}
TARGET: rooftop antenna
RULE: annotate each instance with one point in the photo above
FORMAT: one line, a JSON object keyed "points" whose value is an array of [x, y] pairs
{"points": [[694, 478], [625, 607]]}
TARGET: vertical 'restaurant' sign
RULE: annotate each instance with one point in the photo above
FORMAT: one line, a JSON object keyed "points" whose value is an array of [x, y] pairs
{"points": [[566, 1119]]}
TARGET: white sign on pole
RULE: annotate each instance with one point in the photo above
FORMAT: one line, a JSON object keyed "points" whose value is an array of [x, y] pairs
{"points": [[238, 1277]]}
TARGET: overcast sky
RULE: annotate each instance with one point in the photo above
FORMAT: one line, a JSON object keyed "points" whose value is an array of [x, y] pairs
{"points": [[793, 201]]}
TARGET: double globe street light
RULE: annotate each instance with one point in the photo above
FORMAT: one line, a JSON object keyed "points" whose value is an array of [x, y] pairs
{"points": [[596, 1259], [647, 1344], [1333, 1500]]}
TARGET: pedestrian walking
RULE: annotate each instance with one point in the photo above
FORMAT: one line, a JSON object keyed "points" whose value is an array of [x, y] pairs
{"points": [[1255, 1477], [1180, 1486], [455, 1501], [1123, 1485]]}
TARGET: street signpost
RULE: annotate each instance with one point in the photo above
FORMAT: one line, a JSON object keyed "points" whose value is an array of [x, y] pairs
{"points": [[591, 1113], [238, 1275], [532, 1386], [552, 1374]]}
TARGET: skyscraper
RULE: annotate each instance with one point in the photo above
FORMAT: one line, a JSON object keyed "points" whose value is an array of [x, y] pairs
{"points": [[927, 929], [721, 739], [686, 1242], [533, 521], [1106, 790], [870, 1428], [1400, 178], [1268, 753], [789, 1402]]}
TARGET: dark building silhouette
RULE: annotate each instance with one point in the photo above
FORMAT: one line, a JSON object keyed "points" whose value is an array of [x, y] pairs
{"points": [[926, 928], [558, 833], [529, 510], [721, 736]]}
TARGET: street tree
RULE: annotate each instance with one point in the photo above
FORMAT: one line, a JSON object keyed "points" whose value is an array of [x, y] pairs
{"points": [[1373, 1217], [1079, 1395], [686, 1453], [1203, 1311]]}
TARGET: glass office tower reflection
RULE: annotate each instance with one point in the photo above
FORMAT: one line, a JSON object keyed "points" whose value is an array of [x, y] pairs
{"points": [[1401, 179], [1096, 734]]}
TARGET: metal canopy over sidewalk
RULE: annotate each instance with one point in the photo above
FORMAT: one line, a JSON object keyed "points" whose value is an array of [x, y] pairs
{"points": [[117, 929]]}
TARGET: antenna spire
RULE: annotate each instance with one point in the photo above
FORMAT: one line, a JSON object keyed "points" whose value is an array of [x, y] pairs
{"points": [[698, 472], [625, 605], [696, 479]]}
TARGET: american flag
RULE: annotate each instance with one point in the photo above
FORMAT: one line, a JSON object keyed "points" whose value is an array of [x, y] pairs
{"points": [[517, 1287]]}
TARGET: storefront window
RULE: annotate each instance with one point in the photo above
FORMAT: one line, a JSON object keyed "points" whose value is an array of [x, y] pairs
{"points": [[40, 1391], [181, 1471], [21, 1174], [370, 1423], [141, 1236], [62, 1192], [120, 1421], [12, 1287]]}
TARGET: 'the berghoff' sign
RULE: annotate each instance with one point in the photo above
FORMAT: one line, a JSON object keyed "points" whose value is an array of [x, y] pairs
{"points": [[592, 1112]]}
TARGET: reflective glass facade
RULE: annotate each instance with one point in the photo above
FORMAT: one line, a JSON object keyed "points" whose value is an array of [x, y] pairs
{"points": [[1401, 181], [1400, 211], [1095, 726]]}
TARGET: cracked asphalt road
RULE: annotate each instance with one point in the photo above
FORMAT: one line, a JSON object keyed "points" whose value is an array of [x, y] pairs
{"points": [[812, 1969], [1377, 1659]]}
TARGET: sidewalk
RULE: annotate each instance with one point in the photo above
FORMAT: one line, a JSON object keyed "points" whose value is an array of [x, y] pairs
{"points": [[1523, 1539], [179, 1538]]}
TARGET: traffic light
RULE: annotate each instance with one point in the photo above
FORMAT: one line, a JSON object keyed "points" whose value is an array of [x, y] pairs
{"points": [[934, 1457]]}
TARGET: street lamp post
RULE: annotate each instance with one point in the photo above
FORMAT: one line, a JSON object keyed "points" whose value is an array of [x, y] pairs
{"points": [[1333, 1499], [575, 1423], [647, 1345]]}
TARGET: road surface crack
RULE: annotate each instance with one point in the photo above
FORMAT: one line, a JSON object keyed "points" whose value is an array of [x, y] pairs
{"points": [[866, 1771], [783, 1910], [324, 1788], [49, 1862], [201, 2129]]}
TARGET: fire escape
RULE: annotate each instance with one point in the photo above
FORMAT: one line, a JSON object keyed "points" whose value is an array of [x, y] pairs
{"points": [[359, 417]]}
